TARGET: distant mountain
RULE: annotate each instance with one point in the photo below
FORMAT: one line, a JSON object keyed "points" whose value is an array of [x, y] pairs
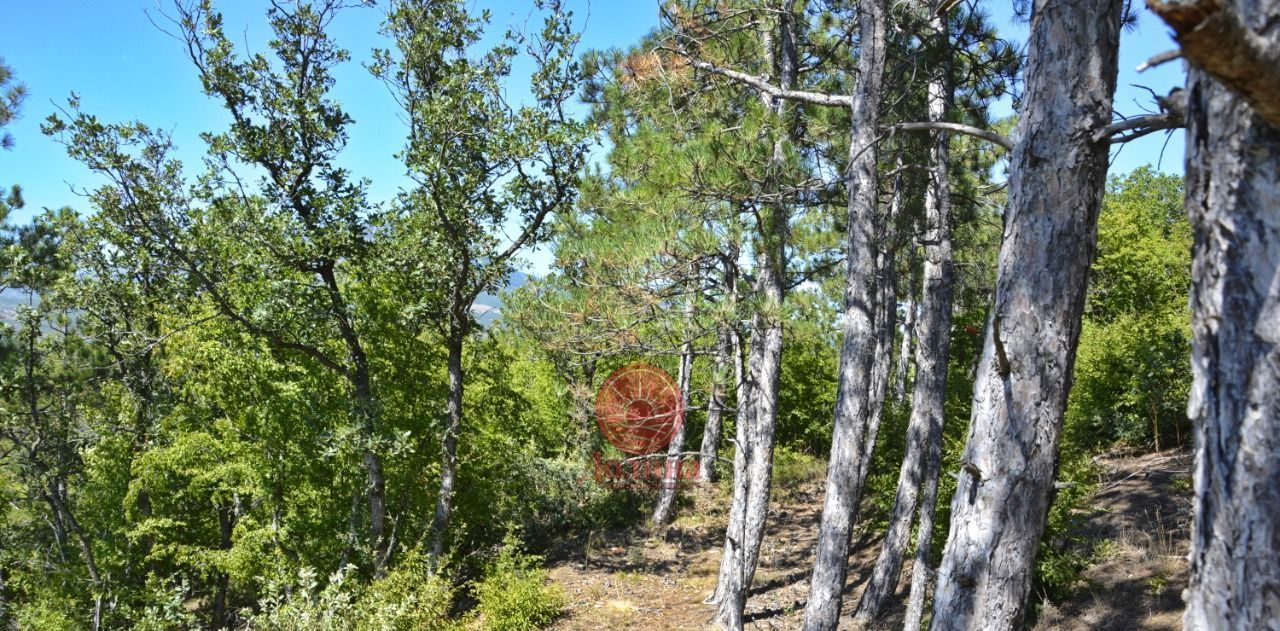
{"points": [[488, 307], [10, 300]]}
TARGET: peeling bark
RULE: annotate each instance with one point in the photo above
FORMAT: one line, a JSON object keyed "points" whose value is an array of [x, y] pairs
{"points": [[1058, 172], [1233, 202]]}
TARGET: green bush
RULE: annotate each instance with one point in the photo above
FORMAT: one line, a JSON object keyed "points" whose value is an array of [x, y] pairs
{"points": [[514, 594], [407, 599]]}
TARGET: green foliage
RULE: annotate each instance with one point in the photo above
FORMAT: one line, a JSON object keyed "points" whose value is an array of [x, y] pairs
{"points": [[1064, 551], [1131, 375], [407, 599], [12, 94], [807, 394], [514, 595]]}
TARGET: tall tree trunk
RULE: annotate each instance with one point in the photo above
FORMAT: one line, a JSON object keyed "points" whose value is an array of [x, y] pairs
{"points": [[1058, 172], [366, 410], [730, 565], [715, 412], [58, 499], [449, 442], [885, 324], [710, 449], [226, 526], [907, 348], [671, 468], [844, 481], [764, 364], [921, 572], [1233, 202], [924, 430]]}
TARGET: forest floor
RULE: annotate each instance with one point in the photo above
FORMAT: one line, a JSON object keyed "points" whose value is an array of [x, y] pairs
{"points": [[1137, 525]]}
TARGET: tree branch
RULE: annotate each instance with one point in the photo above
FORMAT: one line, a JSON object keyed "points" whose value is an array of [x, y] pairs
{"points": [[759, 83], [1216, 39], [976, 132]]}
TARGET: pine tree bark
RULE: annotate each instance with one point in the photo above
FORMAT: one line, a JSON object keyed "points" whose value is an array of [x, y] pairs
{"points": [[907, 350], [921, 462], [844, 479], [921, 572], [710, 450], [715, 411], [764, 362], [1232, 200], [1058, 172], [671, 469]]}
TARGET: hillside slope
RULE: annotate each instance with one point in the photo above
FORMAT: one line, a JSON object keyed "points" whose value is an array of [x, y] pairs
{"points": [[1138, 520]]}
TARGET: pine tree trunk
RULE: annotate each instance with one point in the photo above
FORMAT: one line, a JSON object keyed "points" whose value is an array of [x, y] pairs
{"points": [[715, 411], [742, 546], [924, 429], [710, 449], [1058, 172], [885, 323], [1233, 201], [764, 363], [907, 348], [921, 572], [844, 482], [449, 443], [671, 469]]}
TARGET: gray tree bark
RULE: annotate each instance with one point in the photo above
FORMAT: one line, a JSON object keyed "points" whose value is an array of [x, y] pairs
{"points": [[715, 411], [844, 479], [764, 363], [449, 441], [906, 350], [921, 572], [1233, 201], [671, 469], [710, 449], [924, 430], [1058, 172]]}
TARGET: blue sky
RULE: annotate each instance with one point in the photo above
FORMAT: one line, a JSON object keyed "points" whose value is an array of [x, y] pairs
{"points": [[123, 68]]}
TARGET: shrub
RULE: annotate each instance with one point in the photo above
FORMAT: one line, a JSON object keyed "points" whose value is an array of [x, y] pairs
{"points": [[514, 594], [407, 599]]}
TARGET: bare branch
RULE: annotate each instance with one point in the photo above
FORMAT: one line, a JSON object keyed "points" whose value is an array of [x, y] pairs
{"points": [[976, 132], [1165, 57], [759, 83]]}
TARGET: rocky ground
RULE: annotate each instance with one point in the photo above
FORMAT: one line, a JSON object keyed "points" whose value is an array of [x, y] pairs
{"points": [[1138, 520]]}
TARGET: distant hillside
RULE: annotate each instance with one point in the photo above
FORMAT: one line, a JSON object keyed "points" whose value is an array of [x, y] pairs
{"points": [[10, 300], [488, 306], [486, 309]]}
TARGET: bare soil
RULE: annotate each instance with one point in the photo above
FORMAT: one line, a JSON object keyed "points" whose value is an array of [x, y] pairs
{"points": [[643, 578]]}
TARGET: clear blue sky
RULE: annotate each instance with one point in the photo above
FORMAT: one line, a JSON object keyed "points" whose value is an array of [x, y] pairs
{"points": [[125, 68]]}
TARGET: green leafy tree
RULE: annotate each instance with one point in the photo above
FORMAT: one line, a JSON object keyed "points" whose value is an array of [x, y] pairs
{"points": [[1131, 378], [480, 166]]}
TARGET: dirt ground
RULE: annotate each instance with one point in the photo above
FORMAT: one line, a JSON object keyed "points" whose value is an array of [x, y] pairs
{"points": [[657, 579]]}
